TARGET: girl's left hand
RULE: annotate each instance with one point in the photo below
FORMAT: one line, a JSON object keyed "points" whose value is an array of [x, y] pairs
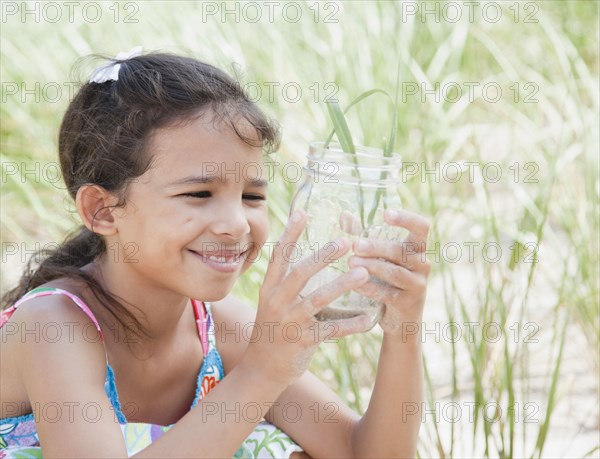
{"points": [[401, 270]]}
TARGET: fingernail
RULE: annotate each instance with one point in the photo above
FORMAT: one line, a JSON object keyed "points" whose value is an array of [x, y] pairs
{"points": [[340, 243], [393, 214], [356, 261], [366, 321], [359, 274], [362, 245], [297, 216]]}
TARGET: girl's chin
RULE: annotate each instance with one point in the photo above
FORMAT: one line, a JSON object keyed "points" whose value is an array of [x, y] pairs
{"points": [[212, 294], [214, 298]]}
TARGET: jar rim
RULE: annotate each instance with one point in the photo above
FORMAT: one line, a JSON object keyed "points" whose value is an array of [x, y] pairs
{"points": [[367, 168], [367, 152]]}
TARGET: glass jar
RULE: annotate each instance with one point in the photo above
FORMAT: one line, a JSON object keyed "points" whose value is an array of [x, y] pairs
{"points": [[345, 194]]}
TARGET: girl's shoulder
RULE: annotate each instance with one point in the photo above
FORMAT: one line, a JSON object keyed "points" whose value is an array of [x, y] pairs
{"points": [[47, 339], [56, 304], [52, 300], [53, 314]]}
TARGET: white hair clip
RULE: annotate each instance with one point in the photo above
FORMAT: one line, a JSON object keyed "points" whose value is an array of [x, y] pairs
{"points": [[110, 71]]}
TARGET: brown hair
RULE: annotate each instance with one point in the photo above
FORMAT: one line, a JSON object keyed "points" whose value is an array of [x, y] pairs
{"points": [[103, 139]]}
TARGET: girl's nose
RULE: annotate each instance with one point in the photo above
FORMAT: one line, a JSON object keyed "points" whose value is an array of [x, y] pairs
{"points": [[231, 220]]}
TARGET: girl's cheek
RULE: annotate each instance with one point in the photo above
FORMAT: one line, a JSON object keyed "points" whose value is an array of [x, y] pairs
{"points": [[260, 223], [255, 251]]}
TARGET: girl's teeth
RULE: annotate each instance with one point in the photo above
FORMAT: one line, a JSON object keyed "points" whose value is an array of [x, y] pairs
{"points": [[221, 259]]}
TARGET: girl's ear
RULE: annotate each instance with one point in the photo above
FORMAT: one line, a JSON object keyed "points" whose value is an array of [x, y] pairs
{"points": [[95, 206]]}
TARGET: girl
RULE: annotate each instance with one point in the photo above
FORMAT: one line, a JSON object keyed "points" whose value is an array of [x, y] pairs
{"points": [[146, 357]]}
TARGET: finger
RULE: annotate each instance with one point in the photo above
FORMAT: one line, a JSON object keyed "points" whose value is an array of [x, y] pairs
{"points": [[417, 225], [390, 273], [378, 291], [391, 297], [300, 274], [405, 254], [324, 295], [279, 262], [343, 327]]}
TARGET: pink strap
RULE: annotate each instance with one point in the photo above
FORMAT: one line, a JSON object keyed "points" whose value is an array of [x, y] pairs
{"points": [[200, 313], [55, 291], [5, 315], [202, 323]]}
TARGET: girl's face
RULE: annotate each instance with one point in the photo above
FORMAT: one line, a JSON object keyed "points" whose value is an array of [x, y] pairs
{"points": [[196, 220]]}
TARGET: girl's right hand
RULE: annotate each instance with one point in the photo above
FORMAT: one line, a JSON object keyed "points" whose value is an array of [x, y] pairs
{"points": [[287, 333]]}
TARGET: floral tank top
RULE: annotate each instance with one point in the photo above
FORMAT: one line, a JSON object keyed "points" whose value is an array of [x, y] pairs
{"points": [[18, 435]]}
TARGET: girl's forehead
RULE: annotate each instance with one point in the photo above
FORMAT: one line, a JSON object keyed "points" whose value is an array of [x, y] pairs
{"points": [[186, 153], [203, 135]]}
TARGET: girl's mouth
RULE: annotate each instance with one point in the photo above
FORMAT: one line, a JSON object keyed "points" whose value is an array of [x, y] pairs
{"points": [[222, 262]]}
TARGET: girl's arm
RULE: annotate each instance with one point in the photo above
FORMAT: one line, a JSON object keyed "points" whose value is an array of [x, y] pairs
{"points": [[308, 411], [391, 424], [64, 379], [327, 428]]}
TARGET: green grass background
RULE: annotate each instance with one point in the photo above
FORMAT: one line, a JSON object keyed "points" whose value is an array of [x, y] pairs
{"points": [[550, 52]]}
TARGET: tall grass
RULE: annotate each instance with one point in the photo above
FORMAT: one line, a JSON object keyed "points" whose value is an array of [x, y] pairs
{"points": [[539, 300]]}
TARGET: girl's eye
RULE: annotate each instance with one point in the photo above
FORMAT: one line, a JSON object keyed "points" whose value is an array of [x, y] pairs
{"points": [[254, 197], [207, 194], [198, 194]]}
